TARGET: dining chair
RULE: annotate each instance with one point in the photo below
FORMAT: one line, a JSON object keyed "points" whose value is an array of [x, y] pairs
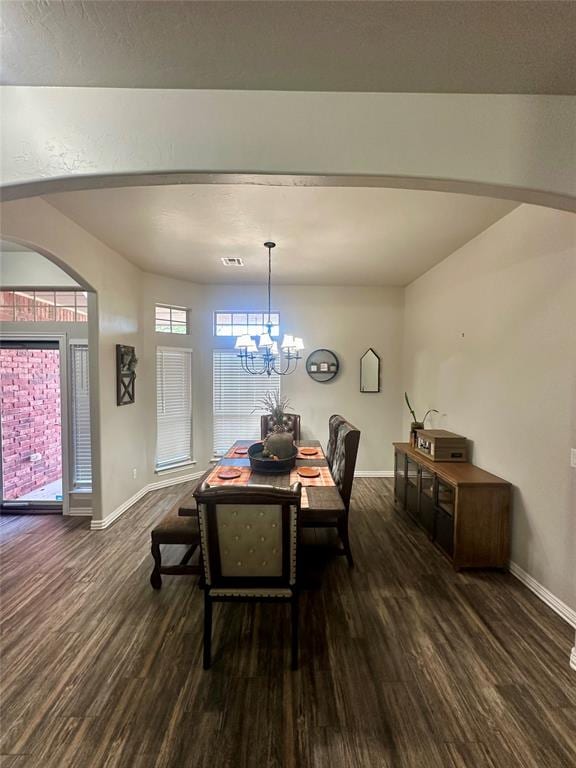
{"points": [[249, 544], [342, 468], [334, 423], [291, 424]]}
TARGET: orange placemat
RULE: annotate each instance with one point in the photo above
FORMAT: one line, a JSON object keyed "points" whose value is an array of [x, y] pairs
{"points": [[245, 473], [318, 455], [324, 479], [232, 452]]}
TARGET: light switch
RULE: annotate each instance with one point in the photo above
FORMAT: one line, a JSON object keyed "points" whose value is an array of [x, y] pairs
{"points": [[573, 457]]}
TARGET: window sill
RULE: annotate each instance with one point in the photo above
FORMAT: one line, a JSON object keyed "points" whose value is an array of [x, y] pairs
{"points": [[174, 468]]}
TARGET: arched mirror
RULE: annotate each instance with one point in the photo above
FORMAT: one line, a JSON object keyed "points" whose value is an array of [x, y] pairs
{"points": [[370, 372]]}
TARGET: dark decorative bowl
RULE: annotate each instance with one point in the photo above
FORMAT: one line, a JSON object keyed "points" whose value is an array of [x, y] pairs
{"points": [[260, 463]]}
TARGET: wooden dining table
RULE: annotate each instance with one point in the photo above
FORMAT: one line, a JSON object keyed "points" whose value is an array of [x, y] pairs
{"points": [[318, 493]]}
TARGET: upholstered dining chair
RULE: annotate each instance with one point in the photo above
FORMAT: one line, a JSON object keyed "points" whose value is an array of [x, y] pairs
{"points": [[291, 424], [334, 424], [342, 468], [249, 544]]}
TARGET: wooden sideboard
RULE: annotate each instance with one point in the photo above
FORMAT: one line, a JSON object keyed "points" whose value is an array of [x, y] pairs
{"points": [[464, 510]]}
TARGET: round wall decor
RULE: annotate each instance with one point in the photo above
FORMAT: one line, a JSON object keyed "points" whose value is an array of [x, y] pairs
{"points": [[322, 365]]}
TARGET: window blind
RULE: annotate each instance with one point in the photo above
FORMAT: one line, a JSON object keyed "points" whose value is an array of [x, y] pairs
{"points": [[80, 404], [173, 406], [235, 395]]}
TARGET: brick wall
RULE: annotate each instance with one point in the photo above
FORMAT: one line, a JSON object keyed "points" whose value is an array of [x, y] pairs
{"points": [[19, 306], [30, 412]]}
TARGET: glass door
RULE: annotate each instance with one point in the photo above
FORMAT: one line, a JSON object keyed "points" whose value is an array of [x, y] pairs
{"points": [[426, 508], [30, 426]]}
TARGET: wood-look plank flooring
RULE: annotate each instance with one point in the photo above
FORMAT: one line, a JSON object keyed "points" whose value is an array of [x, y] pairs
{"points": [[403, 664]]}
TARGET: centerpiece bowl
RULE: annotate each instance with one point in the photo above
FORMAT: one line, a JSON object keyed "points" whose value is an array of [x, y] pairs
{"points": [[266, 464]]}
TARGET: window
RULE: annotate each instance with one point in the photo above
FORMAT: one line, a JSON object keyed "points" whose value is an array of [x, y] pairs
{"points": [[81, 464], [235, 395], [44, 306], [171, 319], [173, 406], [240, 323]]}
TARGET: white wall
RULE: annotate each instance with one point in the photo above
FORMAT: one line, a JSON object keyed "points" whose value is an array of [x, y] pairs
{"points": [[118, 445], [510, 143], [163, 290], [346, 320], [490, 340], [31, 270]]}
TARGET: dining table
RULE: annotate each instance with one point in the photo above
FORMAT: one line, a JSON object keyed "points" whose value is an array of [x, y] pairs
{"points": [[319, 493]]}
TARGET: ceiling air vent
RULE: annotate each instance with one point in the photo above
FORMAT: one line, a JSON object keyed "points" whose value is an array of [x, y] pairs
{"points": [[232, 261]]}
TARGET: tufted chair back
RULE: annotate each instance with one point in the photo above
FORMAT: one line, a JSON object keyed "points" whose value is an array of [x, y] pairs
{"points": [[334, 424], [291, 423], [249, 539], [344, 461]]}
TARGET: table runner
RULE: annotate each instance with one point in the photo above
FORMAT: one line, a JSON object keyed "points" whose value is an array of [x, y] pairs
{"points": [[231, 454]]}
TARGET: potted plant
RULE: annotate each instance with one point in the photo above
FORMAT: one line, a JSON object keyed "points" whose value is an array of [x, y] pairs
{"points": [[280, 442], [416, 424]]}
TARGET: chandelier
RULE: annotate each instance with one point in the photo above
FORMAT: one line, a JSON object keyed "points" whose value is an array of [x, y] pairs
{"points": [[264, 356]]}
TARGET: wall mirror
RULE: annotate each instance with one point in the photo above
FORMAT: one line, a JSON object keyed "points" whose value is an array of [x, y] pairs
{"points": [[370, 372]]}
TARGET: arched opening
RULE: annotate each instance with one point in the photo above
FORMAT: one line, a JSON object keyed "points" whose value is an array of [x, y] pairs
{"points": [[48, 434], [459, 186]]}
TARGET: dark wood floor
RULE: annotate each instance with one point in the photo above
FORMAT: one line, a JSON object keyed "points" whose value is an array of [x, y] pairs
{"points": [[404, 663]]}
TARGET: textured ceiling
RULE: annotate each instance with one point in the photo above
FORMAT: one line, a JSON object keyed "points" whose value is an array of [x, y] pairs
{"points": [[402, 46], [325, 235]]}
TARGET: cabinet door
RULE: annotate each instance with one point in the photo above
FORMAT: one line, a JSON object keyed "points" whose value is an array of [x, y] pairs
{"points": [[426, 511], [444, 531], [411, 487], [444, 525], [400, 477]]}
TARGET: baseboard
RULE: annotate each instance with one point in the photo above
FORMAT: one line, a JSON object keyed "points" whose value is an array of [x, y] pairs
{"points": [[100, 525], [374, 473], [563, 610], [173, 481], [573, 658], [79, 512]]}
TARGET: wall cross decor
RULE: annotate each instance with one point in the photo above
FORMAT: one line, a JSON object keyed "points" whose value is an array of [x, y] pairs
{"points": [[126, 362]]}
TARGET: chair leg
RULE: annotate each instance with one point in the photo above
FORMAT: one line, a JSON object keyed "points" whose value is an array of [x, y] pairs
{"points": [[343, 533], [207, 631], [155, 576], [294, 618]]}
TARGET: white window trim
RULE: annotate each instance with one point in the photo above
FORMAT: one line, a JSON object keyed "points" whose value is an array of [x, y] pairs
{"points": [[61, 338], [81, 487], [178, 465], [174, 467], [171, 332]]}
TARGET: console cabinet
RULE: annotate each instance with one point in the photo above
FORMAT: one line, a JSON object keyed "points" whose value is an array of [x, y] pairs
{"points": [[464, 510]]}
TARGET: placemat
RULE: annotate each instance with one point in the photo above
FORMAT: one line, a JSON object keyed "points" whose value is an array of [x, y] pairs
{"points": [[232, 455], [213, 478], [318, 455], [324, 478]]}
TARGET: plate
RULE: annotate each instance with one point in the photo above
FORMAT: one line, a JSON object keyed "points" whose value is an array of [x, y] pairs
{"points": [[228, 474], [241, 451], [308, 472], [309, 451]]}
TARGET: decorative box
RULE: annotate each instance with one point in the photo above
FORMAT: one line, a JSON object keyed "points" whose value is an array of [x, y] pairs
{"points": [[441, 445]]}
